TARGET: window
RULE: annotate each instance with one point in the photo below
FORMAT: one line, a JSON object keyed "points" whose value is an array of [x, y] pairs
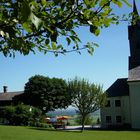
{"points": [[108, 119], [118, 119], [108, 103], [117, 103]]}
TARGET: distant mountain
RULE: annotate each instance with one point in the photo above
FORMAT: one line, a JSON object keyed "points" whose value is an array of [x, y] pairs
{"points": [[68, 112], [61, 112]]}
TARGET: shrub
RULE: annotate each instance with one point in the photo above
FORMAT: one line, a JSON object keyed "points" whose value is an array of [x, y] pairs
{"points": [[21, 114], [41, 125]]}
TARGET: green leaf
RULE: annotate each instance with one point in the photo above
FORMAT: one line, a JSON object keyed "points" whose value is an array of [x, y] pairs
{"points": [[47, 41], [54, 37], [39, 49], [48, 47], [90, 47], [72, 32], [107, 22], [56, 1], [95, 44], [63, 32], [59, 47], [26, 27], [36, 21], [49, 29], [117, 2], [97, 32], [86, 2], [43, 2], [74, 39], [127, 3], [54, 46], [68, 40], [40, 40], [77, 38], [103, 2], [91, 50], [63, 4], [25, 11], [92, 28]]}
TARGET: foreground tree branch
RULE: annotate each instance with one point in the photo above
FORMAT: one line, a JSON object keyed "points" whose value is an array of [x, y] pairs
{"points": [[30, 25]]}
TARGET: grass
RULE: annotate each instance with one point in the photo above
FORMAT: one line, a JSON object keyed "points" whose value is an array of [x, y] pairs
{"points": [[28, 133]]}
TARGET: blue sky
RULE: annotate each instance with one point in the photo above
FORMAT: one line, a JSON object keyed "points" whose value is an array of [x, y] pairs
{"points": [[109, 61]]}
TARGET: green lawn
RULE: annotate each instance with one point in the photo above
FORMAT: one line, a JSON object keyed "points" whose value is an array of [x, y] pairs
{"points": [[27, 133]]}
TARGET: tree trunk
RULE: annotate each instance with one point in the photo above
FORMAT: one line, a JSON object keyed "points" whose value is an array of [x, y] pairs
{"points": [[83, 123]]}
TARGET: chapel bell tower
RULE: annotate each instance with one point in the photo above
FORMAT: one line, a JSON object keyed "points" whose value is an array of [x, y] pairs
{"points": [[134, 39]]}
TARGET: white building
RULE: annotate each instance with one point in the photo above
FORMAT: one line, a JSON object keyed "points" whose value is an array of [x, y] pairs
{"points": [[123, 105]]}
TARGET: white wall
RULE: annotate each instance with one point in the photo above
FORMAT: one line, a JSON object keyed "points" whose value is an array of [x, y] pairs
{"points": [[134, 88], [113, 111]]}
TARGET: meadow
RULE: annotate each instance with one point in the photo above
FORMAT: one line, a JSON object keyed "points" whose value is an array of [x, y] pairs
{"points": [[29, 133]]}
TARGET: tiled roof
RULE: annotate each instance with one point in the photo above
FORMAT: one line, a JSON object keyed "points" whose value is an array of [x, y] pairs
{"points": [[134, 74], [9, 95], [118, 88]]}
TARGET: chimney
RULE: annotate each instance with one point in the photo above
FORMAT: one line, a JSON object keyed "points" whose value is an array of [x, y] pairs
{"points": [[4, 89]]}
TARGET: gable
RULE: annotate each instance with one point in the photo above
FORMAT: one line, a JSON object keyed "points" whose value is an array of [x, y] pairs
{"points": [[118, 88]]}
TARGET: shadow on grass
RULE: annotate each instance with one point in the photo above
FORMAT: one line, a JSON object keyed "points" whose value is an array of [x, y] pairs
{"points": [[78, 130], [114, 129], [56, 130]]}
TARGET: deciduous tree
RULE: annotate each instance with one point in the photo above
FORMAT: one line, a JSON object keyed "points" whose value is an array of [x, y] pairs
{"points": [[87, 97], [45, 93]]}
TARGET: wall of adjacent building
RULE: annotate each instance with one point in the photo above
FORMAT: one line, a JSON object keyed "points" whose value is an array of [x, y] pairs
{"points": [[123, 111], [134, 88]]}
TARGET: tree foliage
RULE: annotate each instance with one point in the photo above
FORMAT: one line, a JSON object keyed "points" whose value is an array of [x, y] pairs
{"points": [[20, 114], [31, 25], [88, 120], [45, 93], [87, 97]]}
